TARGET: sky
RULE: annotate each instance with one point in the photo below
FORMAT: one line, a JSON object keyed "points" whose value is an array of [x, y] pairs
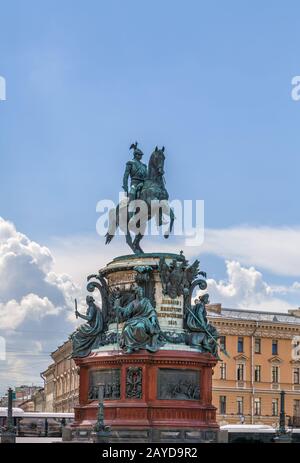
{"points": [[211, 81]]}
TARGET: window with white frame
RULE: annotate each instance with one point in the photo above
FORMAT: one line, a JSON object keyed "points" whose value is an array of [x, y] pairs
{"points": [[296, 374], [257, 406], [274, 347], [297, 407], [222, 404], [240, 405], [240, 372], [222, 342], [257, 373], [275, 374], [257, 346], [223, 370], [240, 344], [275, 407]]}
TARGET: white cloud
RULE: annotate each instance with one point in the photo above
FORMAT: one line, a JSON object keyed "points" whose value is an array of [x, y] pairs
{"points": [[26, 271], [13, 313], [15, 372], [276, 250], [36, 306], [245, 288]]}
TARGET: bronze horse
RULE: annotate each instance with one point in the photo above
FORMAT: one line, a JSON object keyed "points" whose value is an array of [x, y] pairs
{"points": [[132, 216]]}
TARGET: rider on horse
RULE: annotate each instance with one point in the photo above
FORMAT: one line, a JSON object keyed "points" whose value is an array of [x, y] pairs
{"points": [[137, 171], [146, 185]]}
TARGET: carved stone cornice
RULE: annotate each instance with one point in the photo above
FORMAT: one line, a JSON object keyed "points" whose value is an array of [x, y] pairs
{"points": [[163, 358], [264, 330]]}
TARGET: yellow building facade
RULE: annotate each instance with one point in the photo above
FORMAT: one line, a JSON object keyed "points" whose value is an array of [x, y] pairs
{"points": [[263, 359], [61, 381]]}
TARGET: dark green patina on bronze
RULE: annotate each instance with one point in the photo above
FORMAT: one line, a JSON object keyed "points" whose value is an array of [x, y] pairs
{"points": [[88, 335], [134, 305], [141, 329], [135, 308], [201, 334], [148, 185]]}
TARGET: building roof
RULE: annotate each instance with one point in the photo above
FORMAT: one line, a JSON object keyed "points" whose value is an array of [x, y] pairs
{"points": [[65, 345], [256, 315]]}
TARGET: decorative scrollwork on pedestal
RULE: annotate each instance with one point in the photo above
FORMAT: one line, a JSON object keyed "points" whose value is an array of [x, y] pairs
{"points": [[102, 285]]}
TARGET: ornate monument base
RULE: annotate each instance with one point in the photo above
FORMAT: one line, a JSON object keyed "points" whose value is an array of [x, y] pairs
{"points": [[149, 397], [158, 393]]}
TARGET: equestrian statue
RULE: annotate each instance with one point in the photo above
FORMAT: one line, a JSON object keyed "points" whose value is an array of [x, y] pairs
{"points": [[146, 197]]}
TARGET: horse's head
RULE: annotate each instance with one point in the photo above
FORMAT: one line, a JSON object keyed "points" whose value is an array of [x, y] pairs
{"points": [[156, 164]]}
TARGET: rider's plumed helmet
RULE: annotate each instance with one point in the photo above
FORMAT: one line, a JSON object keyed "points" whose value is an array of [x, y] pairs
{"points": [[136, 150]]}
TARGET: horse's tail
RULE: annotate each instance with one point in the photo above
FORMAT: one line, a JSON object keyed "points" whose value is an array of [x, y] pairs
{"points": [[112, 224], [108, 238]]}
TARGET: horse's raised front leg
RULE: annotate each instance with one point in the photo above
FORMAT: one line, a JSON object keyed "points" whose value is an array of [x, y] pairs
{"points": [[113, 223]]}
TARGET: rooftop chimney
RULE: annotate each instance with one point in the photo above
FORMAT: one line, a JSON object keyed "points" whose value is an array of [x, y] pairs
{"points": [[294, 312], [214, 308]]}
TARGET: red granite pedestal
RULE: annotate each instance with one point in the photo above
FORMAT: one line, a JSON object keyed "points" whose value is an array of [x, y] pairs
{"points": [[151, 418]]}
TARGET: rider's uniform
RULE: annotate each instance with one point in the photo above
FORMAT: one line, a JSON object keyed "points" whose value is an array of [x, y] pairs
{"points": [[137, 171]]}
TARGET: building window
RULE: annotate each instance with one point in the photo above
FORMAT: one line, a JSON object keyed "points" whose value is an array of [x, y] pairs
{"points": [[296, 345], [274, 407], [297, 408], [222, 405], [296, 375], [257, 406], [240, 345], [223, 370], [274, 347], [222, 342], [257, 373], [240, 405], [240, 372], [275, 374], [257, 347]]}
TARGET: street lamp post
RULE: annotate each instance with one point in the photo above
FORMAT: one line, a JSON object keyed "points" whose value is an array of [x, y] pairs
{"points": [[282, 436], [9, 434], [282, 429], [100, 431]]}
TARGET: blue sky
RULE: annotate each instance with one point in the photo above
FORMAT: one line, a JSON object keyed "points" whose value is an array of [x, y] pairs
{"points": [[209, 80]]}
